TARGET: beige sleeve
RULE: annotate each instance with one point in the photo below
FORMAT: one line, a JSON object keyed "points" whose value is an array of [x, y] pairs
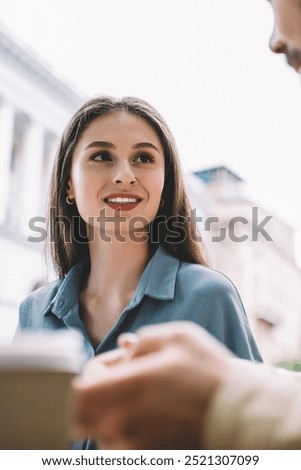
{"points": [[259, 408]]}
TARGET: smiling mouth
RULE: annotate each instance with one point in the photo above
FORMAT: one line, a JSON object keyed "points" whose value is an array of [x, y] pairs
{"points": [[122, 203]]}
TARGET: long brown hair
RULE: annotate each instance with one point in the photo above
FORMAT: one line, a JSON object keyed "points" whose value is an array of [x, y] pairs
{"points": [[67, 236]]}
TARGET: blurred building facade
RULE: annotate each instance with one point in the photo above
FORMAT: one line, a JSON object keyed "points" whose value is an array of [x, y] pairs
{"points": [[35, 105], [256, 251]]}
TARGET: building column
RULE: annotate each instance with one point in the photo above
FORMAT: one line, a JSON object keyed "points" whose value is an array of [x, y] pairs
{"points": [[32, 162], [7, 117], [50, 152]]}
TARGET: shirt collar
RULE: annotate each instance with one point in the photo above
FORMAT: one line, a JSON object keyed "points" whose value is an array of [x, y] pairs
{"points": [[68, 292], [163, 274], [157, 281]]}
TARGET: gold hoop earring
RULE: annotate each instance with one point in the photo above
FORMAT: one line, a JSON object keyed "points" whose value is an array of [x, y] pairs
{"points": [[162, 202], [70, 201]]}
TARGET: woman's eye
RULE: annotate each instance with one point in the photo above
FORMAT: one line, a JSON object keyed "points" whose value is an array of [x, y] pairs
{"points": [[101, 156], [144, 158]]}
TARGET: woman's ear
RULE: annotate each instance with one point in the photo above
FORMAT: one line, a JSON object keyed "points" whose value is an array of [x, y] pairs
{"points": [[69, 191]]}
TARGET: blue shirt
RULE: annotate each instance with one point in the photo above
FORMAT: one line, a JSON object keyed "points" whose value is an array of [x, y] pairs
{"points": [[168, 290]]}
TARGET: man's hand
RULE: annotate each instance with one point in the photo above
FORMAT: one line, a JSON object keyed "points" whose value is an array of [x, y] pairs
{"points": [[154, 391]]}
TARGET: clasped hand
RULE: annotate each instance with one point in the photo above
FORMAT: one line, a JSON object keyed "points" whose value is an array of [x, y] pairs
{"points": [[153, 391]]}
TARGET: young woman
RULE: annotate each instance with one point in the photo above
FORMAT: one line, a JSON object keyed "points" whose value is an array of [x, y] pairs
{"points": [[122, 238]]}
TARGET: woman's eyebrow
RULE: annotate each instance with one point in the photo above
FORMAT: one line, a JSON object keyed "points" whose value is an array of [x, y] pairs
{"points": [[145, 144], [109, 145], [99, 143]]}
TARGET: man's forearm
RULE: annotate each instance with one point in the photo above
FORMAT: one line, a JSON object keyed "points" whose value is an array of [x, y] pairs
{"points": [[257, 408]]}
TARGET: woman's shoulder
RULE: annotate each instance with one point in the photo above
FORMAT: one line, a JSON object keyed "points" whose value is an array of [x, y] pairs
{"points": [[204, 277], [211, 292]]}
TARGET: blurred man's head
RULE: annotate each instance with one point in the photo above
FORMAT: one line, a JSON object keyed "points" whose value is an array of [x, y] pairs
{"points": [[286, 37]]}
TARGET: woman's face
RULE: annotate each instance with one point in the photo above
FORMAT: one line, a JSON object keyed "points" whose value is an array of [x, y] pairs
{"points": [[117, 173]]}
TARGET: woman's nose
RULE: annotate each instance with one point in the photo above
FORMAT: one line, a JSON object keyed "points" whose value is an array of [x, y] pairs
{"points": [[124, 174]]}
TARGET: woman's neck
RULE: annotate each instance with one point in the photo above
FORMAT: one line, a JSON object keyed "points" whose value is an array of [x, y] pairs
{"points": [[116, 266]]}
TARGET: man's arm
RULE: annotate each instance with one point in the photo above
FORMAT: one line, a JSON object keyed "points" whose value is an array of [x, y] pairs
{"points": [[256, 408]]}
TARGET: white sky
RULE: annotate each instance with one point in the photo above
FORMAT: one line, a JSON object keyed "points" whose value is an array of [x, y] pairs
{"points": [[204, 64]]}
